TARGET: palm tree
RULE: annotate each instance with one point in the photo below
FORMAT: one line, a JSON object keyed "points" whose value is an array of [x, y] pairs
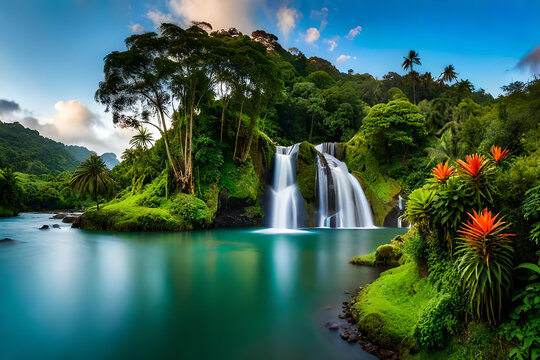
{"points": [[449, 74], [408, 62], [92, 177], [143, 139]]}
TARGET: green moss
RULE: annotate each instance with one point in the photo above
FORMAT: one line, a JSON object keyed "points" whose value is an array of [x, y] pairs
{"points": [[368, 259], [380, 189], [241, 181], [389, 308], [150, 211]]}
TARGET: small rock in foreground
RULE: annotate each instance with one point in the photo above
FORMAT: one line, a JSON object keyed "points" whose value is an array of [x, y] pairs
{"points": [[332, 325], [44, 227]]}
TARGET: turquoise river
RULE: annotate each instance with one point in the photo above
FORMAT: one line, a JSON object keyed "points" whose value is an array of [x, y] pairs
{"points": [[217, 294]]}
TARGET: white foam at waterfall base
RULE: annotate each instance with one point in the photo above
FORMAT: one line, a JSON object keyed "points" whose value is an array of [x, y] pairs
{"points": [[339, 190]]}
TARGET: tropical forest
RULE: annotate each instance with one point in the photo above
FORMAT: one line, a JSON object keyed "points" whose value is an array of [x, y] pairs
{"points": [[235, 194]]}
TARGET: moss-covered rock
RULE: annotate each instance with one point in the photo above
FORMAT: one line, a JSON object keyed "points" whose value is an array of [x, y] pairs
{"points": [[150, 210], [306, 170], [241, 182], [381, 191], [388, 309]]}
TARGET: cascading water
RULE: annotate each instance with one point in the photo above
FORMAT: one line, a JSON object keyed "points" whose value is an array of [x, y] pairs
{"points": [[400, 206], [286, 205], [341, 202]]}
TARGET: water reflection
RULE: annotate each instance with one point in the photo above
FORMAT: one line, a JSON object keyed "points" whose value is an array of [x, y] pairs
{"points": [[232, 294]]}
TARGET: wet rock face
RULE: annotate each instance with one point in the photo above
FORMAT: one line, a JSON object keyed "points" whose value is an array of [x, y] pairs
{"points": [[231, 213], [352, 333]]}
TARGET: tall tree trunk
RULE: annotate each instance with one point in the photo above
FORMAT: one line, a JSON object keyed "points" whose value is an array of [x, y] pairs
{"points": [[191, 189], [167, 147], [222, 118], [238, 130], [96, 194], [247, 148]]}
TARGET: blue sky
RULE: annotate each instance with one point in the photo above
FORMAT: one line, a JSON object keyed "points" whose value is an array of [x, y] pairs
{"points": [[51, 51]]}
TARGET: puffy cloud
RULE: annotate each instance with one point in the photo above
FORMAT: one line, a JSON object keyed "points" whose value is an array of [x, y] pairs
{"points": [[159, 18], [287, 18], [74, 124], [219, 13], [136, 28], [312, 34], [322, 16], [7, 107], [332, 42], [341, 59], [531, 61], [353, 32]]}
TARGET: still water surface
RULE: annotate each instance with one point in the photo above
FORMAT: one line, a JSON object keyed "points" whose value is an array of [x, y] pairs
{"points": [[221, 294]]}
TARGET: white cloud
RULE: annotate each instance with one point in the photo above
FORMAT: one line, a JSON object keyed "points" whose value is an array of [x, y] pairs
{"points": [[332, 42], [341, 59], [321, 15], [287, 18], [159, 18], [221, 14], [136, 28], [312, 34], [353, 32]]}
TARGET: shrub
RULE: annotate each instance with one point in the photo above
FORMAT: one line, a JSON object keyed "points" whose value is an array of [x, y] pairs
{"points": [[191, 208], [531, 212], [439, 320], [524, 326], [416, 248]]}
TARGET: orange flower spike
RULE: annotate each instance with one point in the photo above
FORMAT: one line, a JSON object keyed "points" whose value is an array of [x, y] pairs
{"points": [[474, 165], [442, 172], [483, 225], [497, 154]]}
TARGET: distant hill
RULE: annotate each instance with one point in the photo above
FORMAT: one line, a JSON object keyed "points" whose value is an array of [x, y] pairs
{"points": [[79, 152], [110, 159], [24, 150]]}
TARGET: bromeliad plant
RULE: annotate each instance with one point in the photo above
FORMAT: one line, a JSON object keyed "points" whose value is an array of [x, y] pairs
{"points": [[498, 154], [477, 170], [442, 172], [485, 264]]}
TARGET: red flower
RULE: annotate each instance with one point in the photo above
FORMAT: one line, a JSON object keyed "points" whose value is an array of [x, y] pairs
{"points": [[483, 231], [497, 154], [442, 172], [474, 166]]}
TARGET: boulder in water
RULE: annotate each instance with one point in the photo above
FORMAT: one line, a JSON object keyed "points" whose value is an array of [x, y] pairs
{"points": [[70, 219], [56, 226], [58, 216], [6, 241], [44, 227]]}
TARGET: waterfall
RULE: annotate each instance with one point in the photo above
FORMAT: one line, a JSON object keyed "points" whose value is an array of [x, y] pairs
{"points": [[400, 206], [341, 202], [286, 204]]}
